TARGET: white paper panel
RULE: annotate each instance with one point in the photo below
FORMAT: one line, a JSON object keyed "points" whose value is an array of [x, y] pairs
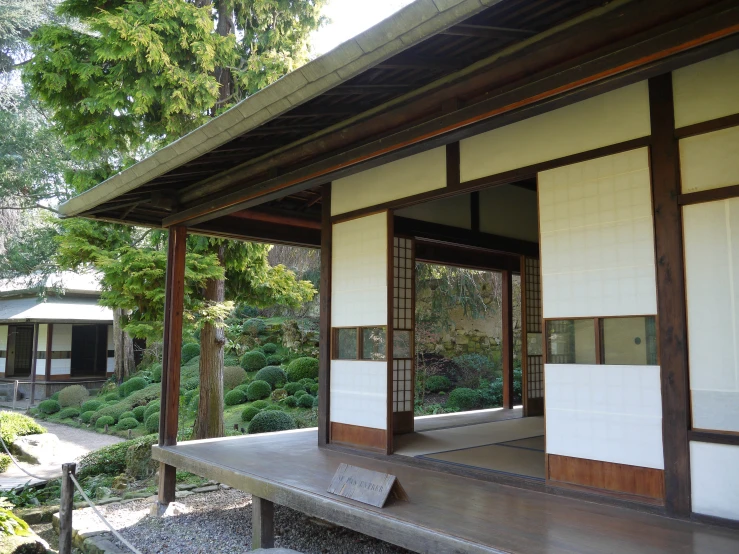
{"points": [[711, 242], [2, 365], [412, 175], [359, 272], [607, 413], [61, 367], [706, 90], [359, 393], [3, 337], [709, 161], [61, 338], [454, 211], [714, 479], [597, 238], [43, 329], [509, 211], [610, 118]]}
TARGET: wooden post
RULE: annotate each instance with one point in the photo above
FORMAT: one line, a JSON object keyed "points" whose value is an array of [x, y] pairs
{"points": [[262, 523], [66, 505], [34, 358], [324, 371], [507, 316], [47, 365], [671, 308], [172, 351]]}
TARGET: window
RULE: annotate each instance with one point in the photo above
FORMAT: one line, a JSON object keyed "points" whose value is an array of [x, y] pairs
{"points": [[373, 343], [571, 341], [360, 343], [401, 344], [346, 344]]}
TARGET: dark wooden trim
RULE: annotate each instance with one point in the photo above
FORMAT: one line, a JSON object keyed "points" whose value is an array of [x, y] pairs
{"points": [[355, 436], [49, 340], [389, 424], [231, 227], [325, 345], [34, 357], [475, 211], [709, 126], [359, 354], [524, 341], [435, 232], [507, 338], [608, 476], [460, 256], [715, 437], [505, 178], [715, 521], [453, 170], [555, 486], [711, 195], [288, 219], [403, 422], [171, 353], [599, 354], [671, 318]]}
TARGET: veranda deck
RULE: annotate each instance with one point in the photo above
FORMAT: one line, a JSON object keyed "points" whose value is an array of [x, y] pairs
{"points": [[446, 513]]}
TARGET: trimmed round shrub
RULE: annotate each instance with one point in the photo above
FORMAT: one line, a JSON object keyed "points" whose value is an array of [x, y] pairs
{"points": [[73, 395], [103, 421], [249, 413], [234, 397], [260, 404], [152, 423], [68, 412], [315, 402], [254, 327], [189, 351], [273, 407], [91, 406], [463, 399], [279, 394], [125, 415], [132, 385], [55, 396], [230, 359], [86, 416], [292, 388], [274, 359], [156, 373], [300, 393], [114, 411], [269, 421], [258, 390], [302, 368], [469, 369], [49, 407], [138, 412], [272, 374], [438, 383], [243, 386], [192, 383], [152, 407], [306, 382], [305, 401], [291, 402], [127, 423], [314, 389], [111, 397], [269, 348], [233, 376], [253, 361]]}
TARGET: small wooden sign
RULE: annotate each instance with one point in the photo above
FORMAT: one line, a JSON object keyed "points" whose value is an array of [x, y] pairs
{"points": [[365, 485]]}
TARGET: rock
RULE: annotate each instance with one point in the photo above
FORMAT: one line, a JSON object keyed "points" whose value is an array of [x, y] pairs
{"points": [[107, 501], [101, 545], [183, 494], [36, 449], [209, 488], [274, 551], [120, 483], [187, 487], [43, 514]]}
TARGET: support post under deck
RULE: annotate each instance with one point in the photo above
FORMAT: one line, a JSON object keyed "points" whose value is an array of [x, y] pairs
{"points": [[262, 523]]}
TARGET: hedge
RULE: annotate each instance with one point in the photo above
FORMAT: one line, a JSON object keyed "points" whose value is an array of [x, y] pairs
{"points": [[86, 416], [5, 462], [314, 389], [132, 385], [234, 398], [138, 412], [14, 425], [91, 406], [249, 413], [103, 421], [463, 399], [127, 423], [305, 401], [152, 423], [49, 407], [274, 359], [272, 374], [254, 327], [124, 415], [269, 421], [111, 396], [300, 393], [292, 388], [191, 384], [73, 395], [253, 361], [115, 411], [302, 368], [71, 411], [108, 460], [260, 404], [291, 402], [152, 407], [438, 383], [233, 376], [189, 351], [258, 390], [156, 373], [269, 348]]}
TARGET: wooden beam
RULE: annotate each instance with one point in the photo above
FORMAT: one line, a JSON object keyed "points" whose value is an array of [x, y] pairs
{"points": [[324, 368], [460, 256], [710, 195], [390, 424], [259, 231], [672, 326], [709, 126], [453, 167], [346, 90], [715, 437], [487, 31], [475, 211], [171, 353], [278, 218], [49, 341], [262, 523], [507, 338]]}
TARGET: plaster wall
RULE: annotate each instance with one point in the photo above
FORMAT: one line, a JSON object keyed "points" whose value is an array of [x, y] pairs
{"points": [[3, 345], [714, 479], [509, 211], [61, 340], [453, 211]]}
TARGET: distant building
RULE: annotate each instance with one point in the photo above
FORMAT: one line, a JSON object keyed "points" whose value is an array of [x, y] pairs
{"points": [[62, 321]]}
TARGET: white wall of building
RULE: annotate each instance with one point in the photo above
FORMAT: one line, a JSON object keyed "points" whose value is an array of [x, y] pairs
{"points": [[43, 330], [453, 211], [61, 340], [3, 345], [714, 479]]}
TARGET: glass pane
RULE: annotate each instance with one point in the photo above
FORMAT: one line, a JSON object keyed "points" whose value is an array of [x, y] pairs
{"points": [[401, 344], [346, 340], [373, 343], [571, 341], [630, 340], [533, 344]]}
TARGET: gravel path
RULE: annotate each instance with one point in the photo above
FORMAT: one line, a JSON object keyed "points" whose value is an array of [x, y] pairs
{"points": [[221, 522]]}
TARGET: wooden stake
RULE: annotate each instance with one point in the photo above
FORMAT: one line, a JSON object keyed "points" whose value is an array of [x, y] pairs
{"points": [[66, 505]]}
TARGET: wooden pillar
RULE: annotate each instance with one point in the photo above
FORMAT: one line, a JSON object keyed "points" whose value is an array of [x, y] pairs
{"points": [[47, 365], [324, 372], [507, 316], [262, 523], [34, 358], [672, 326], [66, 505], [172, 351]]}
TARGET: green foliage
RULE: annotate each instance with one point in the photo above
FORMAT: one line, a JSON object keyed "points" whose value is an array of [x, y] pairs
{"points": [[192, 383], [156, 373], [108, 460], [463, 399], [278, 395], [55, 396], [300, 393], [74, 395], [189, 351], [260, 404], [305, 401], [314, 389], [254, 327], [85, 417], [132, 385], [315, 402], [127, 423], [274, 375], [111, 397], [234, 397], [5, 462], [113, 411], [49, 407], [102, 421], [152, 407], [291, 402], [258, 390], [302, 368], [125, 415], [292, 388], [13, 425], [249, 413], [90, 406], [253, 361], [269, 421], [471, 369], [438, 383], [269, 348], [274, 407], [233, 376], [71, 411], [10, 524], [274, 359], [138, 412], [152, 423]]}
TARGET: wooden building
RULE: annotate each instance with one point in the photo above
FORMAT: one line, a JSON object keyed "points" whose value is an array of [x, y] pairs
{"points": [[588, 147]]}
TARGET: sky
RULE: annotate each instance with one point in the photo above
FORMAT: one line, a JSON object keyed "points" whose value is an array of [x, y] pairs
{"points": [[349, 18]]}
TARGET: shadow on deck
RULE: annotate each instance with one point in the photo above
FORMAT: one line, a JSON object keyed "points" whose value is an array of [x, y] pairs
{"points": [[446, 513]]}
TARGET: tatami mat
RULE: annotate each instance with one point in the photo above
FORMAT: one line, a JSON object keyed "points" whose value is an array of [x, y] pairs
{"points": [[534, 443], [443, 440], [496, 457]]}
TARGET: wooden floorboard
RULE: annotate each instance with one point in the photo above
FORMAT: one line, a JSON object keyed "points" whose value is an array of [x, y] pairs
{"points": [[446, 513]]}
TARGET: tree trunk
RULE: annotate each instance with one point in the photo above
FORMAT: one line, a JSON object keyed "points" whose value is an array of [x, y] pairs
{"points": [[209, 423], [125, 364]]}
